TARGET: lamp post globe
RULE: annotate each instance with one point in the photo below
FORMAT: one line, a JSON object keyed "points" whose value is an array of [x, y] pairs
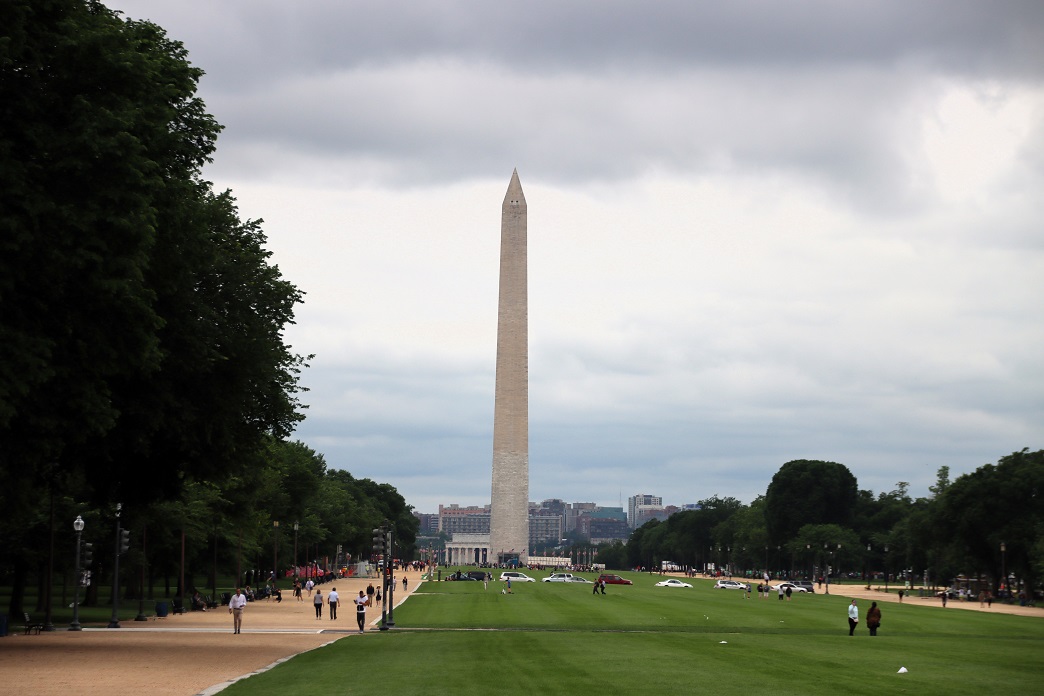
{"points": [[75, 624]]}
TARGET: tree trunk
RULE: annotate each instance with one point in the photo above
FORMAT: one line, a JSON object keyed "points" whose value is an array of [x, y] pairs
{"points": [[16, 606]]}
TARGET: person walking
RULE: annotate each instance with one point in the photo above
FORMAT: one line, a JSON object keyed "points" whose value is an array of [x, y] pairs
{"points": [[317, 600], [235, 608], [309, 585], [378, 596], [297, 589], [602, 583], [853, 617], [360, 609], [789, 591], [404, 582], [873, 618], [332, 599], [369, 594]]}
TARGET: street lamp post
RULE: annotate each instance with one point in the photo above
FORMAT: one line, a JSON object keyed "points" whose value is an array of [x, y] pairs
{"points": [[887, 569], [866, 566], [75, 625], [296, 526], [114, 620], [275, 550], [829, 567], [1004, 570]]}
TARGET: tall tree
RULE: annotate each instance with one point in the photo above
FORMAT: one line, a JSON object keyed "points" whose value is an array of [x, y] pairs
{"points": [[997, 504], [809, 492], [141, 323]]}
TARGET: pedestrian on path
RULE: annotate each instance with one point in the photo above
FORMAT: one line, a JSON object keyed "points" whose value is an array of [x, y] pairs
{"points": [[317, 600], [369, 593], [235, 608], [332, 599], [309, 585], [404, 582], [378, 596], [360, 609]]}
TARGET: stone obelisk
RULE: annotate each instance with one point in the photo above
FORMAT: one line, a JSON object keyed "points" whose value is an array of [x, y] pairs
{"points": [[509, 504]]}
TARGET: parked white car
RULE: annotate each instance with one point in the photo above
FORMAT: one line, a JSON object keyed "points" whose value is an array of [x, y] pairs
{"points": [[729, 585], [515, 577], [559, 577], [672, 582]]}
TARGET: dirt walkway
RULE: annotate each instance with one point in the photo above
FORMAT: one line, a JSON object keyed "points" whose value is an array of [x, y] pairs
{"points": [[180, 655], [878, 594]]}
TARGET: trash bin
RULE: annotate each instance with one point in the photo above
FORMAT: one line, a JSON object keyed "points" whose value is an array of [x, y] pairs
{"points": [[162, 609]]}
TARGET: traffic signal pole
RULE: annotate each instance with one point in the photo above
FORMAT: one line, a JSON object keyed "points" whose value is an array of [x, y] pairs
{"points": [[122, 544], [391, 583]]}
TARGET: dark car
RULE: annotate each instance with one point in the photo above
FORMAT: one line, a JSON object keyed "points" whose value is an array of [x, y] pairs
{"points": [[613, 580], [471, 575]]}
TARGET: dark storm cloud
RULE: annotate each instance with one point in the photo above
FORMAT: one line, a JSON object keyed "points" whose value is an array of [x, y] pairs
{"points": [[274, 38], [410, 93]]}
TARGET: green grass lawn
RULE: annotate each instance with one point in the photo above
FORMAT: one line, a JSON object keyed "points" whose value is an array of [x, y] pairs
{"points": [[455, 637]]}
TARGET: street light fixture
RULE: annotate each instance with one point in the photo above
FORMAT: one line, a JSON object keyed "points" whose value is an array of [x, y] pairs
{"points": [[75, 625], [114, 620], [887, 568], [830, 565], [1004, 570], [296, 527], [275, 550]]}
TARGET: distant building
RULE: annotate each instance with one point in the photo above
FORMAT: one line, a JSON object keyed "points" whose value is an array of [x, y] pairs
{"points": [[454, 519], [641, 508], [603, 524], [603, 529], [573, 513], [428, 523], [545, 530]]}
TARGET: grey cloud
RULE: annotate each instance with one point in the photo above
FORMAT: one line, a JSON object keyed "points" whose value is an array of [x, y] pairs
{"points": [[273, 38]]}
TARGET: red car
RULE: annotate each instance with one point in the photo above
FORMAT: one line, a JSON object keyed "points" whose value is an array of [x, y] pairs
{"points": [[614, 580]]}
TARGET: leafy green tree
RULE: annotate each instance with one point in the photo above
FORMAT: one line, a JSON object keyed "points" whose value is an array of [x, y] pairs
{"points": [[809, 492], [142, 323], [995, 504]]}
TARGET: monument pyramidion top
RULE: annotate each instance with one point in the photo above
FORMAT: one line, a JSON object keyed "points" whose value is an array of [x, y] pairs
{"points": [[514, 195]]}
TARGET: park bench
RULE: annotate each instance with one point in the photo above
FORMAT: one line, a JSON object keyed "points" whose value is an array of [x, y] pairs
{"points": [[31, 625], [177, 605]]}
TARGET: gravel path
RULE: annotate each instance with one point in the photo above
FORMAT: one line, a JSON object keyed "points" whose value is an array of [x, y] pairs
{"points": [[181, 655]]}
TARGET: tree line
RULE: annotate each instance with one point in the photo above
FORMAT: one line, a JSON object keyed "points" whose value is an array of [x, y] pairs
{"points": [[142, 319], [987, 524]]}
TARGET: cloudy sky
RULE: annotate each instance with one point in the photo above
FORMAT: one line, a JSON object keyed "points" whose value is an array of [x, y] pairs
{"points": [[758, 231]]}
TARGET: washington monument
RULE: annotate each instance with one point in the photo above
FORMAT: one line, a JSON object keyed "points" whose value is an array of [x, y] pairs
{"points": [[509, 503]]}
